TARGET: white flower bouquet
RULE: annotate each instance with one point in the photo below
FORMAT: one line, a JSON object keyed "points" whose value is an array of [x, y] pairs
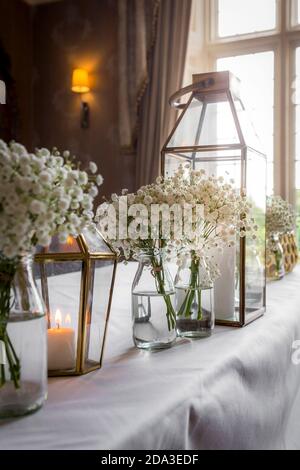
{"points": [[42, 194], [145, 221], [281, 216], [189, 213], [226, 217]]}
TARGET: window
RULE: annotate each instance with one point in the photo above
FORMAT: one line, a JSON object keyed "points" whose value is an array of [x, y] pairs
{"points": [[296, 103], [259, 41], [236, 17], [295, 13], [258, 96]]}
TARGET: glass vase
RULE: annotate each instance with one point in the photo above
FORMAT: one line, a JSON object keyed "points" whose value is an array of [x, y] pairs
{"points": [[23, 345], [153, 296], [194, 299], [275, 253]]}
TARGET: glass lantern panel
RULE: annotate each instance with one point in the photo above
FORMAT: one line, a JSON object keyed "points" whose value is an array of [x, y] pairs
{"points": [[257, 92], [100, 292], [229, 169], [70, 246], [172, 162], [218, 126], [95, 241], [249, 133], [255, 248], [63, 280], [226, 163], [208, 120], [187, 127]]}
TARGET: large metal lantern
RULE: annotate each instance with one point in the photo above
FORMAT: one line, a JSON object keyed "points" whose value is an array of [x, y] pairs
{"points": [[76, 280], [214, 133]]}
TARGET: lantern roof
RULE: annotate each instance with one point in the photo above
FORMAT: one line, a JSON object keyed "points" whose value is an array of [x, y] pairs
{"points": [[213, 117]]}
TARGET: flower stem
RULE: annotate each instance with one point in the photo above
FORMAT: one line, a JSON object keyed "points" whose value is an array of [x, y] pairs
{"points": [[192, 291], [158, 273], [7, 272]]}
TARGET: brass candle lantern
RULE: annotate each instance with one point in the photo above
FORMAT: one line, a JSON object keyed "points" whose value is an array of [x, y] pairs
{"points": [[214, 133], [76, 280]]}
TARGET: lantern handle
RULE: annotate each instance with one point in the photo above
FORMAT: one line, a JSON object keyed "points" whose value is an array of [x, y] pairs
{"points": [[174, 100]]}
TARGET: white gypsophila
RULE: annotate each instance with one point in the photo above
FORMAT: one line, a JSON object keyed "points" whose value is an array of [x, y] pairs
{"points": [[226, 215], [281, 216], [93, 167], [42, 194]]}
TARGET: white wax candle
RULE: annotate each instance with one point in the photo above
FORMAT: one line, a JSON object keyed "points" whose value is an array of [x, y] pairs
{"points": [[61, 349], [224, 292]]}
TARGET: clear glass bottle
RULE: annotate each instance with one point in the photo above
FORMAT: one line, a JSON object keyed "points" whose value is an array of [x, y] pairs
{"points": [[194, 299], [275, 252], [153, 296], [23, 340]]}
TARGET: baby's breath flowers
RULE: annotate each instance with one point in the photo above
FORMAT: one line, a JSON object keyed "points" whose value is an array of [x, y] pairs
{"points": [[226, 217], [203, 213], [226, 213], [281, 216], [190, 213], [42, 194]]}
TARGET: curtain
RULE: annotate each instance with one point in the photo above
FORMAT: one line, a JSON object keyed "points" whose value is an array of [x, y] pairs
{"points": [[156, 116], [137, 28]]}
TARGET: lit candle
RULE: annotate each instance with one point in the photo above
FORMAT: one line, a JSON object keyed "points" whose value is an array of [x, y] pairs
{"points": [[61, 345]]}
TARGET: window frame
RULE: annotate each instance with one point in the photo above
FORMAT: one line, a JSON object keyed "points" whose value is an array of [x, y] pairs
{"points": [[283, 41]]}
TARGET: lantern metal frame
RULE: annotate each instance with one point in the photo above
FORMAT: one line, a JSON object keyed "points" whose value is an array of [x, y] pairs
{"points": [[87, 257], [204, 88]]}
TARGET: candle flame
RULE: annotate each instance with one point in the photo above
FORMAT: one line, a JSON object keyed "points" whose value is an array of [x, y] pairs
{"points": [[68, 320], [70, 240], [58, 318]]}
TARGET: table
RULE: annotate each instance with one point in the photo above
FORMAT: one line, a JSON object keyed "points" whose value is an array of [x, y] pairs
{"points": [[235, 390]]}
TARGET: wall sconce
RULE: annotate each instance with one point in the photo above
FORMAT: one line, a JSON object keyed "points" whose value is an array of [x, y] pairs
{"points": [[80, 84]]}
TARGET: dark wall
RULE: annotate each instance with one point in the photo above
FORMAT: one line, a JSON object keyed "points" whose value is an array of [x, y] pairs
{"points": [[46, 43], [70, 34], [16, 40]]}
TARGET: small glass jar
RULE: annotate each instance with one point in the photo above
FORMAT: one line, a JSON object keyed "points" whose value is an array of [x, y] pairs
{"points": [[276, 270], [194, 299], [23, 340], [153, 296]]}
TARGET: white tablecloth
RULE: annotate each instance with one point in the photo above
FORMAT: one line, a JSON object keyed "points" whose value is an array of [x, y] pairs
{"points": [[235, 390]]}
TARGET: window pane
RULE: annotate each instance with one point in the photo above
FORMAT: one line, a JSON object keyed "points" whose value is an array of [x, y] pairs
{"points": [[295, 12], [296, 102], [296, 97], [257, 90], [247, 16], [297, 134]]}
